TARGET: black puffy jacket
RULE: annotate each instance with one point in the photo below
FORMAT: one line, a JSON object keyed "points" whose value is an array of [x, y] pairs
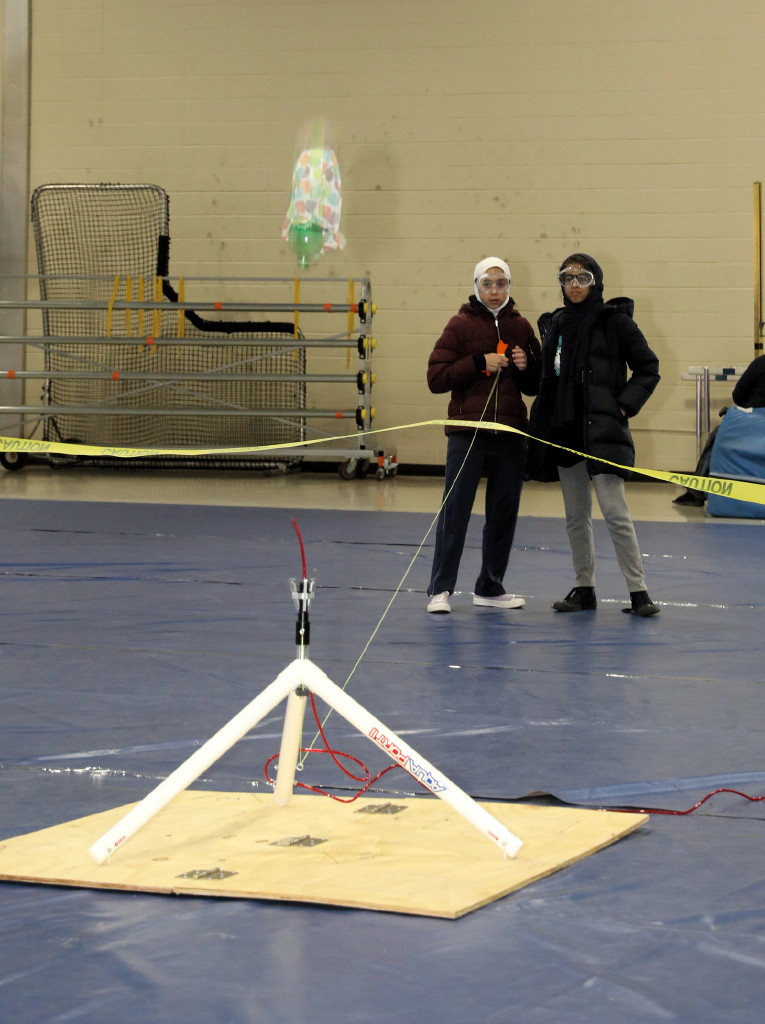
{"points": [[622, 373]]}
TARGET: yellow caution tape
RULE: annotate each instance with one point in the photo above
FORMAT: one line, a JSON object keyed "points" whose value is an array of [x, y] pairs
{"points": [[737, 489]]}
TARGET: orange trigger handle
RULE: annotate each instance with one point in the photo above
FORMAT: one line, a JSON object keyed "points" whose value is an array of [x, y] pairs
{"points": [[501, 349]]}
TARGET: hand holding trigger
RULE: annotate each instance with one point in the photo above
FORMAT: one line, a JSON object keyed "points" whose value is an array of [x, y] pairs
{"points": [[501, 349]]}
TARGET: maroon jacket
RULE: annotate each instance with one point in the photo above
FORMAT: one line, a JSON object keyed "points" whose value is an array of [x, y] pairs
{"points": [[457, 364]]}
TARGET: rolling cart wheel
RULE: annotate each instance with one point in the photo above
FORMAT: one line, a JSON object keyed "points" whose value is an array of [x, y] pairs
{"points": [[380, 474], [347, 469], [362, 469], [14, 460]]}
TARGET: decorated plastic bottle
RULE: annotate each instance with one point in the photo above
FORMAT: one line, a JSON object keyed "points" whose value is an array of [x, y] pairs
{"points": [[312, 223]]}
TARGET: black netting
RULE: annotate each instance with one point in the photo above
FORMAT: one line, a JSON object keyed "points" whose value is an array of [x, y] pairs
{"points": [[109, 242]]}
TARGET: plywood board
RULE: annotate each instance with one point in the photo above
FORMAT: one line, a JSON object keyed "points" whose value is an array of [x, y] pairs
{"points": [[424, 859]]}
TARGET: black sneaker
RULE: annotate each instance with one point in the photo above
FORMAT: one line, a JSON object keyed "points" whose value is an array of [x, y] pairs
{"points": [[642, 604], [580, 599], [693, 498]]}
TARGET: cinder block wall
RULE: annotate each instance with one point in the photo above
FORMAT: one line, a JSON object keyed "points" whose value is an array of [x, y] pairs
{"points": [[526, 130]]}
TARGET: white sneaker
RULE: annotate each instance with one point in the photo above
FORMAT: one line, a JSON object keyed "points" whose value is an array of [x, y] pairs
{"points": [[501, 601], [440, 603]]}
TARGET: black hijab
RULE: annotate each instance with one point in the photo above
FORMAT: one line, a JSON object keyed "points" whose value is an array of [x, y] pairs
{"points": [[574, 325]]}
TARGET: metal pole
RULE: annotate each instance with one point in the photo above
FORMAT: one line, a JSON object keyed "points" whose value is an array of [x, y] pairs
{"points": [[699, 404], [14, 184], [292, 733], [707, 417], [757, 194]]}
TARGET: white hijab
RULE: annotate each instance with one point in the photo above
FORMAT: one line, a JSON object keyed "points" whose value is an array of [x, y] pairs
{"points": [[480, 270]]}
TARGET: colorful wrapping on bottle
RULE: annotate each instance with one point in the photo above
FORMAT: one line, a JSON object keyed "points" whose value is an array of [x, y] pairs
{"points": [[316, 196]]}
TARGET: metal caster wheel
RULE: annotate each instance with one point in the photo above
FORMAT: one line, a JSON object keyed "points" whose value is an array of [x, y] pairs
{"points": [[13, 461]]}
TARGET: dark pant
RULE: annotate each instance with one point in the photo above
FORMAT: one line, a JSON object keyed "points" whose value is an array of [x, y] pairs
{"points": [[500, 457]]}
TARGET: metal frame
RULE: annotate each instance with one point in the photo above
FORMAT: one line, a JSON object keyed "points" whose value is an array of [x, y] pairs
{"points": [[356, 460], [703, 375]]}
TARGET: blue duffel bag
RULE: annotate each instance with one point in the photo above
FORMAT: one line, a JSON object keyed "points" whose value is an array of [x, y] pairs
{"points": [[739, 452]]}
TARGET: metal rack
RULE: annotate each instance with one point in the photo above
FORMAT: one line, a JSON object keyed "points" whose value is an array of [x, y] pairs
{"points": [[124, 361], [132, 376], [126, 374], [703, 376]]}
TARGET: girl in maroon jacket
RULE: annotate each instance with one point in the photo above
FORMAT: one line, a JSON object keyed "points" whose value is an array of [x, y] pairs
{"points": [[487, 357]]}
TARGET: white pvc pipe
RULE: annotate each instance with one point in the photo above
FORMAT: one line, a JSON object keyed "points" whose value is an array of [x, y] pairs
{"points": [[400, 752], [199, 761], [304, 672], [292, 739]]}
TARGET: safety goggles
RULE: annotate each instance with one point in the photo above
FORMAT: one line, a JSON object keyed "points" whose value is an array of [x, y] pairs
{"points": [[488, 284], [584, 278]]}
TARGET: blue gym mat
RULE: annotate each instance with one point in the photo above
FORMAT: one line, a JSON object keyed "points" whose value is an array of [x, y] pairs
{"points": [[132, 632]]}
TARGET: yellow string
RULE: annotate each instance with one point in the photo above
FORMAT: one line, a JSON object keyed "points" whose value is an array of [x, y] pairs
{"points": [[408, 569]]}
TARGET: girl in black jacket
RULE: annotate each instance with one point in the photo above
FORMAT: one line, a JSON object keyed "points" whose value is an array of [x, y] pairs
{"points": [[585, 400]]}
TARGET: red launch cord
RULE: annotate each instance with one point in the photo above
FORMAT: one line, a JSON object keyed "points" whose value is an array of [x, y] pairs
{"points": [[689, 810], [302, 549], [335, 755]]}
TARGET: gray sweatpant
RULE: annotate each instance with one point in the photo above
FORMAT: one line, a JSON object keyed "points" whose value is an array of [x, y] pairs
{"points": [[576, 486]]}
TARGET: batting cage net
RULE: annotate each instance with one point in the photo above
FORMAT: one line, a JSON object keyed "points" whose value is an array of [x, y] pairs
{"points": [[108, 244]]}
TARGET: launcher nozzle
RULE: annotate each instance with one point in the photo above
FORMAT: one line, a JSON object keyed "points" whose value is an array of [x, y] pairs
{"points": [[302, 593]]}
